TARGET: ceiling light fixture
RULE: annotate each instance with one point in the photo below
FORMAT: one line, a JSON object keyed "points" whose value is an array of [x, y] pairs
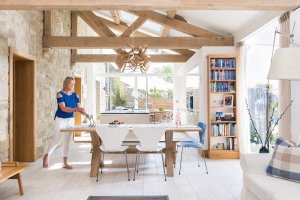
{"points": [[132, 59]]}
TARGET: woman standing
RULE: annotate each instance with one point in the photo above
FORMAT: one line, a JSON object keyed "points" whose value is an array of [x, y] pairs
{"points": [[68, 103]]}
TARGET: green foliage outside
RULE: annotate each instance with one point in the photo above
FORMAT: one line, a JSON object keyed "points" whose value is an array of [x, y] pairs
{"points": [[164, 70], [118, 99]]}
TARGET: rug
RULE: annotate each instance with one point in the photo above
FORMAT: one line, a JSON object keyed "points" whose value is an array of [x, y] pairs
{"points": [[161, 197]]}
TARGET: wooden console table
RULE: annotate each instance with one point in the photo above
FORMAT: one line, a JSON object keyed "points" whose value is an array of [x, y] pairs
{"points": [[11, 170]]}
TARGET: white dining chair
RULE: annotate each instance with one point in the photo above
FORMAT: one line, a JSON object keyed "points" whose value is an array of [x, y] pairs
{"points": [[112, 138], [149, 138]]}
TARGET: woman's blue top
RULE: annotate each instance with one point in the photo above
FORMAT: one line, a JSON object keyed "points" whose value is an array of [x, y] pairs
{"points": [[70, 101]]}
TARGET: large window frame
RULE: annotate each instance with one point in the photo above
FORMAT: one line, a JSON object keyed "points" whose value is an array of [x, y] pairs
{"points": [[136, 77]]}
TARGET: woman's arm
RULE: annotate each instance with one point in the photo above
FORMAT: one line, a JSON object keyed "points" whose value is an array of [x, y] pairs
{"points": [[63, 107], [80, 109]]}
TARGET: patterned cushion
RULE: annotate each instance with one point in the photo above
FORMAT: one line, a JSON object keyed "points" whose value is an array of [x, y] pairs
{"points": [[285, 162]]}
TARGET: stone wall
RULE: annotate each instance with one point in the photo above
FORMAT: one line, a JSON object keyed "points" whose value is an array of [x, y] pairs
{"points": [[23, 30]]}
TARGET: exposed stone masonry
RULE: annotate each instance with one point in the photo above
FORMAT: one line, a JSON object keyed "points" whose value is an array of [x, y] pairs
{"points": [[23, 30]]}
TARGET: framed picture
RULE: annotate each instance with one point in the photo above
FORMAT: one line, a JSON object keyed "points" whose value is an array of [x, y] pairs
{"points": [[228, 100], [219, 116], [228, 117]]}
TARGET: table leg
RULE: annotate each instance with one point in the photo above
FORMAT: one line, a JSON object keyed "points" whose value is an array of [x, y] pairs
{"points": [[96, 154], [169, 150], [20, 184]]}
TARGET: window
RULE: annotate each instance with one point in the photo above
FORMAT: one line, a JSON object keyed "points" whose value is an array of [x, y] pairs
{"points": [[136, 90], [257, 66]]}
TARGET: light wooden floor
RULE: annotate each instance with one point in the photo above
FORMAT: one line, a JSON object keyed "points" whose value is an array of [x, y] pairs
{"points": [[223, 182]]}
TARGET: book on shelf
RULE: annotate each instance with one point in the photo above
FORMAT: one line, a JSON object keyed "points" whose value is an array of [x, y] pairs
{"points": [[222, 62], [222, 87], [222, 75], [232, 144], [228, 129]]}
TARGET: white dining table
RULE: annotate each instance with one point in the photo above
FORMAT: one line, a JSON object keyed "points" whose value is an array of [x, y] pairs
{"points": [[169, 140]]}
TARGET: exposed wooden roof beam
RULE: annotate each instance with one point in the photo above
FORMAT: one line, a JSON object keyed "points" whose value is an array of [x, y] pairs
{"points": [[47, 23], [174, 23], [183, 51], [166, 29], [112, 58], [121, 27], [134, 26], [149, 5], [152, 42], [74, 21], [115, 16], [92, 20]]}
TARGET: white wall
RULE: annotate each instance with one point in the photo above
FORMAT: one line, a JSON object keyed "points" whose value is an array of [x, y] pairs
{"points": [[199, 58], [295, 89]]}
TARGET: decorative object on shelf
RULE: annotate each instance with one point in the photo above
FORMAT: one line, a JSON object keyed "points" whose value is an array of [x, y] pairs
{"points": [[265, 143], [132, 59], [90, 119], [219, 116], [228, 100], [228, 117]]}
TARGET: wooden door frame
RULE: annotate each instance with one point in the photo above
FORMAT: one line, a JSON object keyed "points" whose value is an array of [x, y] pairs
{"points": [[78, 76], [19, 55]]}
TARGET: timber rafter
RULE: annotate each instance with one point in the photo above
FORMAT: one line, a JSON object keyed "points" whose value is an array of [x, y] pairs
{"points": [[124, 34]]}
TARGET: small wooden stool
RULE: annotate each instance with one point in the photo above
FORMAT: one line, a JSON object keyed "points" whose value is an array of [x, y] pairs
{"points": [[11, 170]]}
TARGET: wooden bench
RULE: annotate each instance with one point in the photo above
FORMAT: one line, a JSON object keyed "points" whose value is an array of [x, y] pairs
{"points": [[11, 170]]}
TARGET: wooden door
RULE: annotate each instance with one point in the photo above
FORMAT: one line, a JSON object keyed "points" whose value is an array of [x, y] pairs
{"points": [[22, 107]]}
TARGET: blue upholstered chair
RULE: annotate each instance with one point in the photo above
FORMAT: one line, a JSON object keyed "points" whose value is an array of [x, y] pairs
{"points": [[196, 145]]}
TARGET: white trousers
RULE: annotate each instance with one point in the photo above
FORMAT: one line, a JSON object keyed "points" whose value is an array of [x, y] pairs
{"points": [[57, 135]]}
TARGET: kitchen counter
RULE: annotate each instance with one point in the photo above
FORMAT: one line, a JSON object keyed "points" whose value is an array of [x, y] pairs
{"points": [[126, 116]]}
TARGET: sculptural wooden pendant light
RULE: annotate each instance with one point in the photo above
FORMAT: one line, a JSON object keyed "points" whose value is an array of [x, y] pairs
{"points": [[132, 59]]}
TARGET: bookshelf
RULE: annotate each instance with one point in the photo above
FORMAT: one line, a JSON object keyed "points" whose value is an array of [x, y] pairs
{"points": [[222, 106]]}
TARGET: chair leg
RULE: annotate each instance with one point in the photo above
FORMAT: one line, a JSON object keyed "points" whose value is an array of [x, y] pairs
{"points": [[181, 160], [138, 162], [163, 164], [98, 171], [204, 162], [103, 163], [127, 164], [136, 158], [197, 150]]}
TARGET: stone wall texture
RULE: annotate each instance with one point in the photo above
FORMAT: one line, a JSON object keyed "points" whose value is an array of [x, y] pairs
{"points": [[23, 30]]}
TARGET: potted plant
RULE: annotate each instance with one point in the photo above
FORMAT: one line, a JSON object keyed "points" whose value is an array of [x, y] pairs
{"points": [[270, 126]]}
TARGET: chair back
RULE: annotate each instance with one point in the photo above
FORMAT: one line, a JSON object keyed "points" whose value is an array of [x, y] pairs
{"points": [[202, 133], [112, 137], [149, 137]]}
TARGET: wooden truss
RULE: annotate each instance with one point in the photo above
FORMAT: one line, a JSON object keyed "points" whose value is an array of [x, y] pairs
{"points": [[149, 5], [107, 39]]}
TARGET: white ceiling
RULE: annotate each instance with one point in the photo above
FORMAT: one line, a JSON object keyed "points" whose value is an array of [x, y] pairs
{"points": [[226, 22]]}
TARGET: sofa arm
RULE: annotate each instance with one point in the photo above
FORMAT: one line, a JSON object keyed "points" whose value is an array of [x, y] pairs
{"points": [[255, 163]]}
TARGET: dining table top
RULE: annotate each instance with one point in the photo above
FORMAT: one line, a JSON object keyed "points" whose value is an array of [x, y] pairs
{"points": [[169, 127]]}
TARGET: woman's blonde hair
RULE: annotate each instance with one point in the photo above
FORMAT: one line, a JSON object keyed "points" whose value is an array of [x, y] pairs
{"points": [[66, 81]]}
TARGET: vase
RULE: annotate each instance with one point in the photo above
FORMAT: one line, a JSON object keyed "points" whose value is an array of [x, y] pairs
{"points": [[263, 149]]}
